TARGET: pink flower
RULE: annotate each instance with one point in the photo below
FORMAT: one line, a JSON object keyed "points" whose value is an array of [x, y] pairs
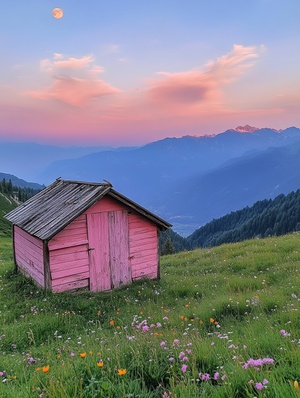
{"points": [[171, 359], [259, 386], [163, 343], [204, 376], [181, 354], [176, 341], [145, 328], [216, 376], [183, 368]]}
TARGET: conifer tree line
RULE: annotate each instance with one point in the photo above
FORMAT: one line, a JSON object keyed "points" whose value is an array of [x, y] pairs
{"points": [[265, 218], [19, 194]]}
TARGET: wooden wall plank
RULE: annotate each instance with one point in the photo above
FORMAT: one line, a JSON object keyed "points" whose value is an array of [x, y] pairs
{"points": [[71, 286], [104, 205]]}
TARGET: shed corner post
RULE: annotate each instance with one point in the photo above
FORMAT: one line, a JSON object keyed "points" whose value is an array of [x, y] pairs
{"points": [[158, 255], [16, 268], [47, 275]]}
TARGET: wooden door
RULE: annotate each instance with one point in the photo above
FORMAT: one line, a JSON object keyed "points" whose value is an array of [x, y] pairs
{"points": [[108, 250], [119, 248]]}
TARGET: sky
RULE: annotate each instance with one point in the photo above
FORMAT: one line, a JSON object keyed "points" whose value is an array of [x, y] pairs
{"points": [[128, 72]]}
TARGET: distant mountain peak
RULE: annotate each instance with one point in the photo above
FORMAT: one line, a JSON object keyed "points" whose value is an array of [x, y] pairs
{"points": [[246, 129]]}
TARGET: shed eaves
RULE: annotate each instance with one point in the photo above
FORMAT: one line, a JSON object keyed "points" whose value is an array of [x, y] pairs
{"points": [[49, 211]]}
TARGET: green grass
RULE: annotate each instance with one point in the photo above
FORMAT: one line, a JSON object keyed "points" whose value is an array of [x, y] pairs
{"points": [[212, 310]]}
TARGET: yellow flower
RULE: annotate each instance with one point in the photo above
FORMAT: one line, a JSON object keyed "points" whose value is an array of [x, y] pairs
{"points": [[122, 372], [82, 354], [211, 320], [296, 385], [37, 369], [100, 364], [201, 322], [111, 322], [58, 356], [91, 352], [46, 369]]}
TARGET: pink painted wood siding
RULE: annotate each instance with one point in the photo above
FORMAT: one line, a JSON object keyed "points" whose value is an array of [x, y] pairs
{"points": [[29, 255], [68, 257], [104, 205], [143, 244]]}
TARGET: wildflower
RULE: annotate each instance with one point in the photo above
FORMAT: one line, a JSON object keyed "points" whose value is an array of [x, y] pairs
{"points": [[296, 385], [171, 359], [111, 322], [145, 328], [1, 374], [176, 341], [162, 344], [211, 320], [284, 333], [259, 386], [216, 376], [204, 376], [122, 372], [46, 369], [183, 368], [91, 352], [181, 355], [100, 364], [72, 354], [37, 369], [82, 354]]}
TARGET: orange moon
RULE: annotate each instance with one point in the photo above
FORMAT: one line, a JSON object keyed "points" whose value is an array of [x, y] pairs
{"points": [[57, 13]]}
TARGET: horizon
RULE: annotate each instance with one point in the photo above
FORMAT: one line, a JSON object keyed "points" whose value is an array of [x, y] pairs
{"points": [[118, 74]]}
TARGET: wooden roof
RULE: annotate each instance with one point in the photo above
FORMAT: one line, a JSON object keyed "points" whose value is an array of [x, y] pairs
{"points": [[49, 211]]}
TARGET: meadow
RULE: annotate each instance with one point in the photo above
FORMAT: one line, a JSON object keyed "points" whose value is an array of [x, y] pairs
{"points": [[221, 322]]}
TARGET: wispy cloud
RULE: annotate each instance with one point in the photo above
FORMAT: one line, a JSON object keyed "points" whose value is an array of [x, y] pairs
{"points": [[202, 86], [73, 81]]}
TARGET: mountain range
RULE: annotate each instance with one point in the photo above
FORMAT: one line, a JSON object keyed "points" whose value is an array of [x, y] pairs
{"points": [[188, 181]]}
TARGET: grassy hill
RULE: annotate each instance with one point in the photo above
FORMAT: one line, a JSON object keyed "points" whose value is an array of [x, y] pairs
{"points": [[6, 204], [221, 322]]}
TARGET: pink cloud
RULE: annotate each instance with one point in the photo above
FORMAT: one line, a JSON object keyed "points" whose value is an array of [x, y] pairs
{"points": [[72, 81], [201, 86], [74, 91]]}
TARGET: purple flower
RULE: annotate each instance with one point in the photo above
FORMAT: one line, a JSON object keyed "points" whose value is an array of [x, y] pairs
{"points": [[259, 386], [162, 344], [176, 341], [216, 376], [171, 359], [145, 328], [181, 355], [204, 376], [183, 368], [284, 333], [185, 359], [158, 325]]}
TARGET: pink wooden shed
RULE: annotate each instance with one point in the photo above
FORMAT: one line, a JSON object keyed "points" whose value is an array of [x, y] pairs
{"points": [[77, 234]]}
